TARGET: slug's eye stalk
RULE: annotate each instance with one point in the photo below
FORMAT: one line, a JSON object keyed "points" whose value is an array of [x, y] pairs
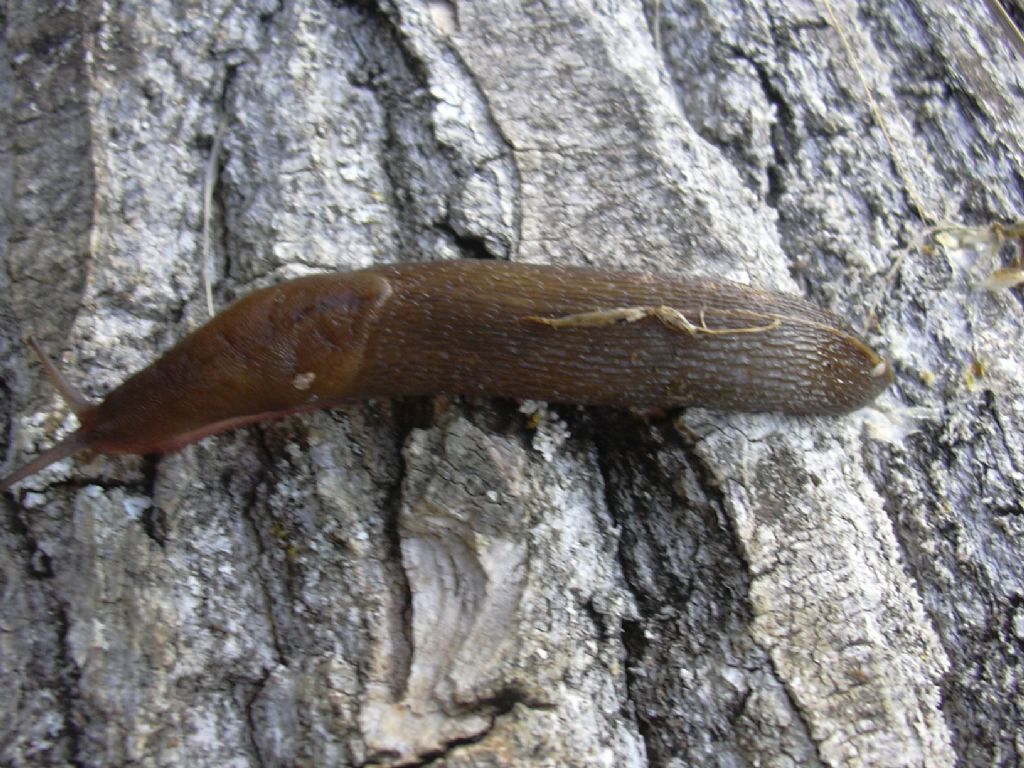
{"points": [[71, 445], [82, 407], [75, 400]]}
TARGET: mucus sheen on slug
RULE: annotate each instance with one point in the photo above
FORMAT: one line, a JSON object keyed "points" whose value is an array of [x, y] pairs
{"points": [[482, 328]]}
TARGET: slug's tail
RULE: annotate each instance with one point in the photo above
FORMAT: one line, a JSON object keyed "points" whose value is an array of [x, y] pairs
{"points": [[83, 408]]}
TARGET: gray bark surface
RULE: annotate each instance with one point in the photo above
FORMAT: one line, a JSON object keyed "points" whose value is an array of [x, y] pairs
{"points": [[485, 583]]}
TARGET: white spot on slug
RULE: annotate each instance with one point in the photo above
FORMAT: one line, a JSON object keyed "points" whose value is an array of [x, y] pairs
{"points": [[303, 381]]}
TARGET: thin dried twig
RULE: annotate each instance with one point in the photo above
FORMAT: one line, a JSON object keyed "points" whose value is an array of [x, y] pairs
{"points": [[897, 158], [209, 184]]}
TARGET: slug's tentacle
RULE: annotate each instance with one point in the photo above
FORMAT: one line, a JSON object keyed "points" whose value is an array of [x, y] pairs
{"points": [[82, 407], [75, 442], [76, 401], [470, 327]]}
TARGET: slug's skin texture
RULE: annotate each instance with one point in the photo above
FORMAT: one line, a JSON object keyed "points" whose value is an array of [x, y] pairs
{"points": [[561, 334]]}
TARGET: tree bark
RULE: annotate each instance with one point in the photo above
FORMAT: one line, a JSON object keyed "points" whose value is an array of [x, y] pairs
{"points": [[478, 583]]}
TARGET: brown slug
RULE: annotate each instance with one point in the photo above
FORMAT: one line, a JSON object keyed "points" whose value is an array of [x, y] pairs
{"points": [[561, 334]]}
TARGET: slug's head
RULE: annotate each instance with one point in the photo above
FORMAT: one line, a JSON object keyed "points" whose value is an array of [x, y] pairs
{"points": [[79, 440]]}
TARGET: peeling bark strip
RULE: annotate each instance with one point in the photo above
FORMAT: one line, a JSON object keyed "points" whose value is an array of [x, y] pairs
{"points": [[572, 589]]}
